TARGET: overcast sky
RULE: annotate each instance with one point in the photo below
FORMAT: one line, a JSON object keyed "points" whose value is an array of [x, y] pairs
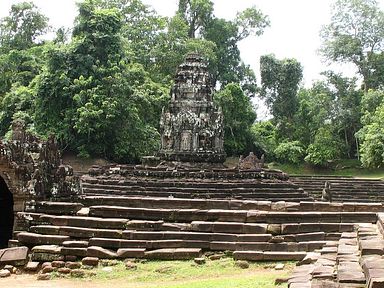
{"points": [[294, 30]]}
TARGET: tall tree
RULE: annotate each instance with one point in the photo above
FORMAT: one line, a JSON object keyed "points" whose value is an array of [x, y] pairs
{"points": [[21, 29], [280, 81], [239, 116], [196, 13], [355, 35]]}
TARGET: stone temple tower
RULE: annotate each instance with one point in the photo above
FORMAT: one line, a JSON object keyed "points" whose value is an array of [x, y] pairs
{"points": [[192, 127]]}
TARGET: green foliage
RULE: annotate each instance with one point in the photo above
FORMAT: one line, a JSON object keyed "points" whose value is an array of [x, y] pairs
{"points": [[355, 35], [21, 29], [371, 134], [280, 81], [290, 152], [325, 148], [264, 135], [239, 116], [16, 104]]}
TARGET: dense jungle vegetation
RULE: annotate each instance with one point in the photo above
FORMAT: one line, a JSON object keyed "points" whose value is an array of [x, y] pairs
{"points": [[100, 86]]}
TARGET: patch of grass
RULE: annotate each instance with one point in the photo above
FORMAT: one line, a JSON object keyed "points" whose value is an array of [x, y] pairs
{"points": [[344, 167], [182, 274]]}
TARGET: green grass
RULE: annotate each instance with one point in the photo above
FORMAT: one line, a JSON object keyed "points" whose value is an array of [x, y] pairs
{"points": [[182, 274], [345, 167]]}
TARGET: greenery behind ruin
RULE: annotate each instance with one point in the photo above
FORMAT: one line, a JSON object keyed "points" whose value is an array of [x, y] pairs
{"points": [[100, 86]]}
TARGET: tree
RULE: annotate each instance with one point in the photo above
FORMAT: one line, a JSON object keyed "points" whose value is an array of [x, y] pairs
{"points": [[355, 35], [265, 138], [280, 81], [92, 98], [239, 116], [196, 13], [290, 152], [21, 29], [325, 148], [371, 134]]}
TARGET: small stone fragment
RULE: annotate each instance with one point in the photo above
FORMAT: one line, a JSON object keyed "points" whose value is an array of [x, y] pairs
{"points": [[72, 265], [32, 266], [242, 264], [4, 273], [130, 265], [41, 276], [279, 266], [47, 269], [215, 257], [199, 261], [45, 264], [58, 264], [78, 273], [90, 261], [64, 270], [107, 269]]}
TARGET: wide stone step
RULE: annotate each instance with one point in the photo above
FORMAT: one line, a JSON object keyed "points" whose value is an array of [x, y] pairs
{"points": [[76, 232], [90, 222], [191, 189], [227, 204], [29, 239], [174, 254], [206, 183], [297, 196], [268, 256], [189, 215]]}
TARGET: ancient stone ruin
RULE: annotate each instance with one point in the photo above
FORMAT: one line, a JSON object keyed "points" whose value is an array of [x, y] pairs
{"points": [[30, 169], [182, 211], [192, 127]]}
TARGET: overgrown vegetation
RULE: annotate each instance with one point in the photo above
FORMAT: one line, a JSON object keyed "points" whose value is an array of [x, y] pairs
{"points": [[100, 86], [218, 273]]}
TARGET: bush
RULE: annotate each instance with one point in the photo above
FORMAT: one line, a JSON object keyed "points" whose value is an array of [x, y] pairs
{"points": [[325, 148], [289, 152]]}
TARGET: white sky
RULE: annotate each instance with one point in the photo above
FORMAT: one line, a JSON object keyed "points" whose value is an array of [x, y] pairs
{"points": [[294, 30]]}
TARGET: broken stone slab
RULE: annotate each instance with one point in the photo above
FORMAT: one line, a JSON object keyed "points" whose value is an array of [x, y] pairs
{"points": [[86, 222], [376, 282], [90, 261], [131, 253], [32, 266], [4, 273], [76, 244], [117, 243], [17, 256], [99, 252], [372, 247], [248, 255], [82, 232], [58, 208], [283, 256], [144, 225], [42, 257], [50, 249], [39, 239], [310, 257], [79, 252], [174, 254]]}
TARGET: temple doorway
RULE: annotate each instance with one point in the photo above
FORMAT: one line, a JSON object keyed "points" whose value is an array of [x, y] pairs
{"points": [[6, 214]]}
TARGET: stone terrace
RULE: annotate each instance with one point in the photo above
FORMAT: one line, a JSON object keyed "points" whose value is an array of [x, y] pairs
{"points": [[213, 187], [343, 189], [129, 216]]}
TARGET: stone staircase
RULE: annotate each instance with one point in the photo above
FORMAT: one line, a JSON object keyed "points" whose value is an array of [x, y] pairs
{"points": [[177, 228], [344, 189], [355, 260], [255, 189]]}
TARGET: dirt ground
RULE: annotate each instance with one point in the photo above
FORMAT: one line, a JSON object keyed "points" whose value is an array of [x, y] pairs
{"points": [[29, 281]]}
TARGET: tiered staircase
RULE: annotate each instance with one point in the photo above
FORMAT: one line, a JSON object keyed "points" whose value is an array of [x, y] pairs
{"points": [[267, 189], [343, 189], [176, 228]]}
